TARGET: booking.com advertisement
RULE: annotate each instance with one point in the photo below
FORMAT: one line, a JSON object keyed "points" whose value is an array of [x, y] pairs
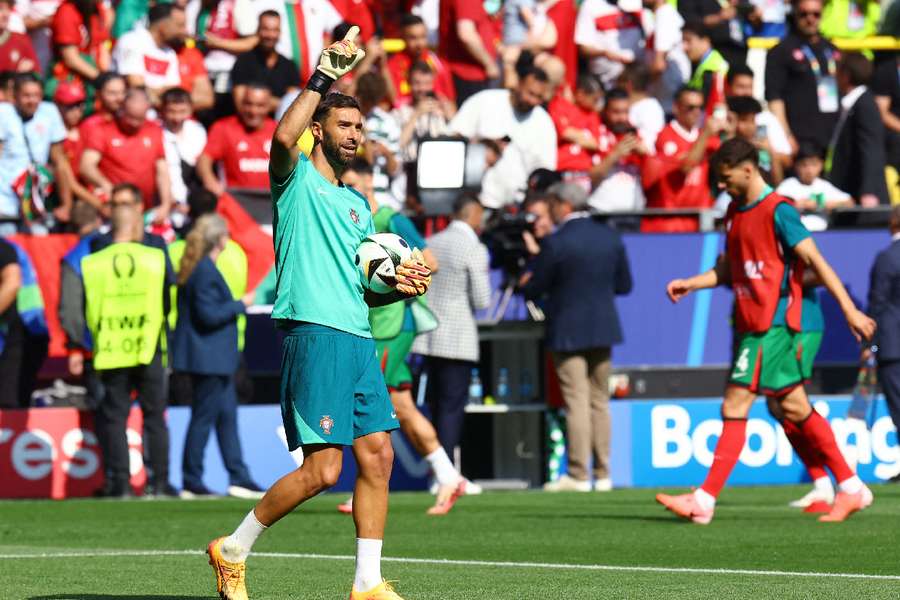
{"points": [[53, 453]]}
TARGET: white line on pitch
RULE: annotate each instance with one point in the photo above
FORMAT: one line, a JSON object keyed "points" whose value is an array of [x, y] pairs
{"points": [[467, 563]]}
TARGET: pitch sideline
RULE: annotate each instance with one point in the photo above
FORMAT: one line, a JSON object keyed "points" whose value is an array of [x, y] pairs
{"points": [[466, 563]]}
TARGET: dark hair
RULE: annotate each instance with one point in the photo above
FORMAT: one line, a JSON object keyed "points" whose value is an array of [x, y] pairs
{"points": [[587, 82], [464, 200], [257, 85], [269, 13], [360, 165], [686, 89], [105, 77], [202, 202], [810, 149], [696, 27], [23, 79], [540, 179], [736, 151], [176, 95], [409, 19], [616, 93], [87, 9], [736, 71], [638, 75], [128, 187], [536, 72], [857, 68], [420, 66], [6, 77], [371, 88], [535, 197], [83, 213], [160, 11], [743, 105], [333, 100]]}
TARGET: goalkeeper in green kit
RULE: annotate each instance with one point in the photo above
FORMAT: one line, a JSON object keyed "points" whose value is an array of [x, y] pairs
{"points": [[333, 393]]}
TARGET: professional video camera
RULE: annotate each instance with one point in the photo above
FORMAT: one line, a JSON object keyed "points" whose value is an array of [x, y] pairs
{"points": [[503, 237]]}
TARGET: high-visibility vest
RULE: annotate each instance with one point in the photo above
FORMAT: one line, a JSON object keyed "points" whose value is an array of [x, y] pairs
{"points": [[712, 62], [123, 291], [232, 264]]}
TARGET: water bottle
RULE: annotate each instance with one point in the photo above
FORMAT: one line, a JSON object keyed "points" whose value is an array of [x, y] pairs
{"points": [[475, 390], [503, 386]]}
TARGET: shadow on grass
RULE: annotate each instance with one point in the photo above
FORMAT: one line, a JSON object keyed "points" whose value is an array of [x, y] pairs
{"points": [[117, 597]]}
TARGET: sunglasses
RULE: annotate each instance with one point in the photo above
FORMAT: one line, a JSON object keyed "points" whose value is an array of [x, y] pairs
{"points": [[809, 13], [693, 107]]}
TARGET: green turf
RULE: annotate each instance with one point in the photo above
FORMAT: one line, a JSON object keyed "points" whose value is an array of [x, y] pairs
{"points": [[753, 529]]}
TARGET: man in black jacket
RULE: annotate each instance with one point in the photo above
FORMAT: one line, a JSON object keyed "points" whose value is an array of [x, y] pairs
{"points": [[580, 270], [884, 307], [856, 159]]}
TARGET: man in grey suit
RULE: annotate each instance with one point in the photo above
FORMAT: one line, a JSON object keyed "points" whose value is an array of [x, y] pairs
{"points": [[458, 289]]}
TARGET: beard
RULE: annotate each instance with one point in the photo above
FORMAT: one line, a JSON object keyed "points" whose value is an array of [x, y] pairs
{"points": [[333, 152]]}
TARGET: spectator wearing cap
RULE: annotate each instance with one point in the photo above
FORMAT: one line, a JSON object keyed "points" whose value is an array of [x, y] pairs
{"points": [[263, 64], [581, 268], [31, 141], [69, 99], [809, 191], [129, 149], [617, 177], [415, 50], [723, 23], [801, 89], [146, 55], [855, 161], [241, 144], [468, 46], [678, 175], [16, 52], [578, 128], [609, 37], [708, 66], [184, 140]]}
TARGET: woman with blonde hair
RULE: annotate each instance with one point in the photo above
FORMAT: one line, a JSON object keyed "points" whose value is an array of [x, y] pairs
{"points": [[206, 347]]}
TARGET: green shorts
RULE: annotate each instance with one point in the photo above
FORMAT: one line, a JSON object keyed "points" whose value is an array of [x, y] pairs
{"points": [[396, 372], [767, 363], [808, 343], [332, 390]]}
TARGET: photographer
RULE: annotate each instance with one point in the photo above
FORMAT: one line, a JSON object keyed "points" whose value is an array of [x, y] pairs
{"points": [[581, 268], [426, 116]]}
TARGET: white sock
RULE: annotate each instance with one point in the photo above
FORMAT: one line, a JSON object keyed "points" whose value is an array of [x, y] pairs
{"points": [[444, 471], [368, 564], [237, 546], [851, 486], [823, 484], [706, 500]]}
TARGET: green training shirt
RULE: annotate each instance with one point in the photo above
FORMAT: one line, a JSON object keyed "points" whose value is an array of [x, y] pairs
{"points": [[317, 227]]}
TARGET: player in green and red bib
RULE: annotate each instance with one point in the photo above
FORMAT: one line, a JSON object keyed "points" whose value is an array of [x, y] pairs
{"points": [[767, 251]]}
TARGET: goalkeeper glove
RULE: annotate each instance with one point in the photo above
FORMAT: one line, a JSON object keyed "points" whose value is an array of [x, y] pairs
{"points": [[337, 60], [413, 275]]}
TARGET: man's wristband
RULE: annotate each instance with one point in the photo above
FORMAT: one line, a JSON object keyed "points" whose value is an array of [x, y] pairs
{"points": [[319, 82]]}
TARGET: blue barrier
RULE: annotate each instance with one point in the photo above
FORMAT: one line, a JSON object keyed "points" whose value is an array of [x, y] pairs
{"points": [[655, 443]]}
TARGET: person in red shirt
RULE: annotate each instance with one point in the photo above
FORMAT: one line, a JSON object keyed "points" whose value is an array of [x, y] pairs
{"points": [[678, 176], [194, 76], [79, 40], [468, 43], [16, 52], [415, 39], [69, 99], [129, 149], [577, 127], [241, 143]]}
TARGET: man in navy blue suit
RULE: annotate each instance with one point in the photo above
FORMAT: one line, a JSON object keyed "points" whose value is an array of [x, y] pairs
{"points": [[884, 307], [582, 266]]}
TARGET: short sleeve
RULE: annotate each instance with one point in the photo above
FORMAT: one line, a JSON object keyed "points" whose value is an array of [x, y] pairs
{"points": [[584, 25], [57, 127], [216, 142], [884, 82], [7, 254], [668, 31], [776, 74], [788, 226], [467, 9], [280, 185], [402, 226], [160, 145], [94, 138], [129, 60], [66, 26]]}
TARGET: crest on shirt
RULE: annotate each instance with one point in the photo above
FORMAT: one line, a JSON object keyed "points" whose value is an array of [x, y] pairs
{"points": [[798, 54], [354, 216], [326, 423], [242, 146]]}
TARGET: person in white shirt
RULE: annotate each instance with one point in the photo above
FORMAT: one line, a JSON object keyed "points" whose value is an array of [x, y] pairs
{"points": [[669, 65], [146, 56], [183, 140], [645, 112], [523, 129], [739, 82], [815, 197], [610, 37]]}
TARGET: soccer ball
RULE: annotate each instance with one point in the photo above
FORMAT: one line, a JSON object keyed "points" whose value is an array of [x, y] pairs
{"points": [[377, 259]]}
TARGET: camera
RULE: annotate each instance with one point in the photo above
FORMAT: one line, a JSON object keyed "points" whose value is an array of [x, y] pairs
{"points": [[507, 247]]}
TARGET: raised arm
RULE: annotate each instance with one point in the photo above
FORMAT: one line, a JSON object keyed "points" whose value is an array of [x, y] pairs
{"points": [[337, 60]]}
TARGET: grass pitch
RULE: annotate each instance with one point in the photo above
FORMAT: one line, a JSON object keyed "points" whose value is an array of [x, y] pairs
{"points": [[498, 546]]}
